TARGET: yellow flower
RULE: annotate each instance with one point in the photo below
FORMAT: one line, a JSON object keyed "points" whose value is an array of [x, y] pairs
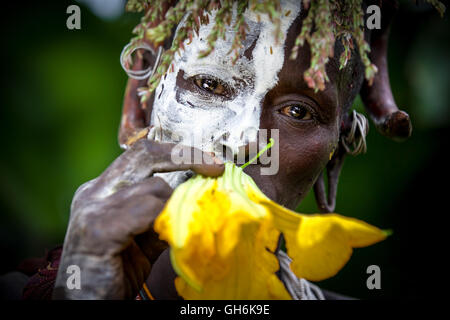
{"points": [[223, 233]]}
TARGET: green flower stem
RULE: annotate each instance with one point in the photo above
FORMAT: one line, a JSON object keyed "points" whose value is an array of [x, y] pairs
{"points": [[269, 145]]}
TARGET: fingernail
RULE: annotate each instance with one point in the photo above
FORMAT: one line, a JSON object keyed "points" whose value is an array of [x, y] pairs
{"points": [[217, 161]]}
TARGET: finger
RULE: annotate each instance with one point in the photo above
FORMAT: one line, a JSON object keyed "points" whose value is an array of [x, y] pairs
{"points": [[154, 192], [146, 157], [179, 157], [136, 206], [155, 186], [115, 226], [166, 157], [114, 222]]}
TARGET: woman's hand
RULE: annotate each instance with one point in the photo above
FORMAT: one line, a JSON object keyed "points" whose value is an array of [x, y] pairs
{"points": [[110, 235]]}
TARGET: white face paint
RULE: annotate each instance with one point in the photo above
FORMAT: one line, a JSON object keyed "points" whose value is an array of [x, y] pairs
{"points": [[210, 122]]}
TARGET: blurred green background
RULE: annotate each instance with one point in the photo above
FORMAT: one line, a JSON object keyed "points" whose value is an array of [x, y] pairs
{"points": [[61, 102]]}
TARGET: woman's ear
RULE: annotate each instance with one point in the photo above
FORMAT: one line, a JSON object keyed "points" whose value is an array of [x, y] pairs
{"points": [[135, 115], [378, 98], [326, 195], [135, 118]]}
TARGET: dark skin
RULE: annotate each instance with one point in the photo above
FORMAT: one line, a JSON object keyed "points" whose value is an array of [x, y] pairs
{"points": [[110, 234], [307, 139]]}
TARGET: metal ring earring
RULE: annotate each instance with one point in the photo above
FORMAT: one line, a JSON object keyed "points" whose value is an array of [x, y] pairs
{"points": [[139, 74], [354, 141]]}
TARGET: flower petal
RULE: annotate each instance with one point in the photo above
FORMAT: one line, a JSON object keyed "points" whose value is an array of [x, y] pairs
{"points": [[221, 242], [250, 274], [321, 244], [223, 233]]}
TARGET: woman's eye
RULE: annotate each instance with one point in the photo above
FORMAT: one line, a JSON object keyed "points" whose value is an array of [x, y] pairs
{"points": [[296, 111], [211, 85]]}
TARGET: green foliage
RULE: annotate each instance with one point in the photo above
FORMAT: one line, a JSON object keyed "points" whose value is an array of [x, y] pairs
{"points": [[326, 22], [438, 5]]}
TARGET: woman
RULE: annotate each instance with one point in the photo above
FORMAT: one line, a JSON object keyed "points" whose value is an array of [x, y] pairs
{"points": [[214, 103]]}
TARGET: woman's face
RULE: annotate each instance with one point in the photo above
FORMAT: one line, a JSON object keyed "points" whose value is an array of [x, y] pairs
{"points": [[216, 105]]}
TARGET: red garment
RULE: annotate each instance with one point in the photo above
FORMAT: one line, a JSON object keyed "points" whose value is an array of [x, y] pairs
{"points": [[42, 272]]}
